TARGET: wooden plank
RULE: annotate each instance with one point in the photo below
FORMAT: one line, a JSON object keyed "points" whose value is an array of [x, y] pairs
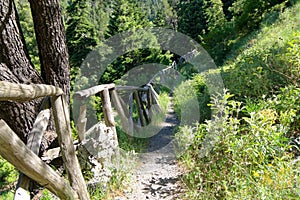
{"points": [[107, 109], [81, 123], [22, 92], [131, 129], [149, 103], [133, 88], [18, 154], [143, 105], [124, 106], [92, 91], [119, 109], [139, 105], [153, 92], [63, 129], [35, 138]]}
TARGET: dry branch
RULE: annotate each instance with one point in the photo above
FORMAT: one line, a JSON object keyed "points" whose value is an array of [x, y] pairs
{"points": [[35, 138]]}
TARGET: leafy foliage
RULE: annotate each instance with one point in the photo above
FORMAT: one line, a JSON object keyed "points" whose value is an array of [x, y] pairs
{"points": [[249, 13], [244, 152], [80, 32], [247, 158], [192, 99], [128, 16], [191, 21], [26, 23], [8, 174], [268, 60]]}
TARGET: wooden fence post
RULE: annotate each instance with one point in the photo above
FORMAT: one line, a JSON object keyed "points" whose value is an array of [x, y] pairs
{"points": [[35, 138], [119, 109], [81, 123], [63, 129], [139, 105], [15, 151], [107, 109]]}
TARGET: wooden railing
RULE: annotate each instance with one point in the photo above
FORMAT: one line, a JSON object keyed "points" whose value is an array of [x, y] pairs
{"points": [[143, 97], [24, 157]]}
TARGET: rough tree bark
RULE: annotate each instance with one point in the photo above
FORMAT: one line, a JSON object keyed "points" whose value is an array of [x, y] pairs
{"points": [[15, 66], [51, 39]]}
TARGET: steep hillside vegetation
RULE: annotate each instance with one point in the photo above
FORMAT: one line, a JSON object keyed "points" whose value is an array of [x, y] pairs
{"points": [[249, 150]]}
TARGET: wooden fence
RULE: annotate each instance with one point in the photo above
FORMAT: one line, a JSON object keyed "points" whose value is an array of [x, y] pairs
{"points": [[141, 97], [141, 100], [24, 157]]}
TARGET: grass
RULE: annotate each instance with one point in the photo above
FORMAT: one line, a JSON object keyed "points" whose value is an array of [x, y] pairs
{"points": [[267, 59]]}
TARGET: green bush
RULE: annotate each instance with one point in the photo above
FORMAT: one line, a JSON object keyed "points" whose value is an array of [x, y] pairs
{"points": [[241, 158], [203, 97], [286, 105], [249, 13], [8, 174]]}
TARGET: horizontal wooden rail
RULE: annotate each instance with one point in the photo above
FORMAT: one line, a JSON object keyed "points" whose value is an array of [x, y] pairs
{"points": [[22, 92], [31, 165], [131, 88], [92, 91]]}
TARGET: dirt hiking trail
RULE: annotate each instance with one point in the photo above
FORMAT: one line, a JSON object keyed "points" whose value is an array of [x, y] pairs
{"points": [[157, 174]]}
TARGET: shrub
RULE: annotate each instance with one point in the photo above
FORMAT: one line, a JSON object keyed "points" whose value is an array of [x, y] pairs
{"points": [[241, 158], [269, 60], [8, 174]]}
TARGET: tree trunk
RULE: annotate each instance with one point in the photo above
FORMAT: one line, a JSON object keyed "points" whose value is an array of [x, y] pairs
{"points": [[15, 66], [51, 39]]}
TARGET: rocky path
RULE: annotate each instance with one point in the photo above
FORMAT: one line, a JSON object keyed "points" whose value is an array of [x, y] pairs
{"points": [[157, 174]]}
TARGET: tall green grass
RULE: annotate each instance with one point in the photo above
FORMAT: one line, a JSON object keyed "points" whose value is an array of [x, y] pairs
{"points": [[268, 59]]}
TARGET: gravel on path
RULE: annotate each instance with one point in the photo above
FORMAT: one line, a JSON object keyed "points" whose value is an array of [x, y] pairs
{"points": [[157, 174]]}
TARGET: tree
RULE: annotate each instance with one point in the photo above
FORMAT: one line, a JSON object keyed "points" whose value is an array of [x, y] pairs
{"points": [[166, 16], [26, 22], [80, 33], [15, 63], [218, 33], [248, 14], [226, 7], [128, 16], [191, 18], [99, 15], [15, 66]]}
